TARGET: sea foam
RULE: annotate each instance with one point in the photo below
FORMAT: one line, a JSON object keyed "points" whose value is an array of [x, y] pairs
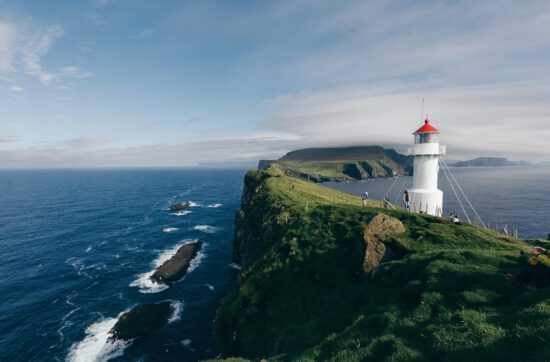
{"points": [[96, 345], [177, 310], [205, 229], [214, 206], [169, 230]]}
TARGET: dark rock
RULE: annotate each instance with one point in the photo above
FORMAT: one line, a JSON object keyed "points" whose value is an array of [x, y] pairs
{"points": [[141, 320], [180, 206], [351, 170], [264, 164], [176, 267]]}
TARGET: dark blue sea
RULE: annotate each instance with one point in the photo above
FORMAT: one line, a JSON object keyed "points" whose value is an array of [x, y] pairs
{"points": [[77, 246], [518, 197]]}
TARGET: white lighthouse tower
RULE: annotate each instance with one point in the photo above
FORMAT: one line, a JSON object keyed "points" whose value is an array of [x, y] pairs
{"points": [[424, 196]]}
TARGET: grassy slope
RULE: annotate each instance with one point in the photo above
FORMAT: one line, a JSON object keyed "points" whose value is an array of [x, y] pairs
{"points": [[328, 162], [305, 297]]}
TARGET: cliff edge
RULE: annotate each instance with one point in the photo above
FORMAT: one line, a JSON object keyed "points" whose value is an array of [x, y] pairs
{"points": [[325, 278]]}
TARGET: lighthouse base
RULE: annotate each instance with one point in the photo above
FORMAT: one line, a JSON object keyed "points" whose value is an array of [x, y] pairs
{"points": [[426, 201]]}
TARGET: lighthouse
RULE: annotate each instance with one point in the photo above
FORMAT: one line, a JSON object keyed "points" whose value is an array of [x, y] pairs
{"points": [[424, 196]]}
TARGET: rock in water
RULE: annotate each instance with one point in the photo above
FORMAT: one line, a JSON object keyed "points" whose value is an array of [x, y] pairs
{"points": [[176, 267], [379, 228], [180, 206], [141, 320]]}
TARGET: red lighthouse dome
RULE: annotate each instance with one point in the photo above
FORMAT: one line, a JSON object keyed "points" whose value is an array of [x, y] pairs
{"points": [[426, 128]]}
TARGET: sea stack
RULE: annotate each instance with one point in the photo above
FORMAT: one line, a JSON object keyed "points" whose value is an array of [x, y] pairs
{"points": [[425, 197], [141, 320], [176, 267]]}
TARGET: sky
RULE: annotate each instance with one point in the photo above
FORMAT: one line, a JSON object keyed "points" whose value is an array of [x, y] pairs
{"points": [[120, 83]]}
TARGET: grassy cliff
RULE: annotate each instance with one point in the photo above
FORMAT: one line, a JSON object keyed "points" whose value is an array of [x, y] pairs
{"points": [[303, 292], [343, 163]]}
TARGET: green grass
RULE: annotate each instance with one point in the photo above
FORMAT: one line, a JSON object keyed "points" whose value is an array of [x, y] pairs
{"points": [[302, 294]]}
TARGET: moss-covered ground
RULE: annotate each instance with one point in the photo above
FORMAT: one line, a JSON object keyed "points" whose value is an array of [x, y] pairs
{"points": [[305, 296]]}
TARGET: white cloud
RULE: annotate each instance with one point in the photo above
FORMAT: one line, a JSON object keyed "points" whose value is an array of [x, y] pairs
{"points": [[24, 47], [95, 152], [74, 72], [8, 40], [17, 88], [38, 47], [98, 20], [508, 119], [144, 34], [102, 3]]}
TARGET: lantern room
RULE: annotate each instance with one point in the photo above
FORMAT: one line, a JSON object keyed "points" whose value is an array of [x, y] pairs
{"points": [[426, 134]]}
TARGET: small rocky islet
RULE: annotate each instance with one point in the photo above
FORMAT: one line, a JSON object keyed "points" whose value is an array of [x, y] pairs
{"points": [[177, 266], [141, 320]]}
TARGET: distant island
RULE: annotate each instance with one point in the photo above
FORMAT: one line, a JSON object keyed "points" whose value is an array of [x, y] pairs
{"points": [[490, 162], [342, 163]]}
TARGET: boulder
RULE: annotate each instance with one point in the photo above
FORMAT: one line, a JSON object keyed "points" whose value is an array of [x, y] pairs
{"points": [[378, 229], [176, 267], [141, 320]]}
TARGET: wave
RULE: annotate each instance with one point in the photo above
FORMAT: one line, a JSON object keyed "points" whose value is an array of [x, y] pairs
{"points": [[89, 248], [235, 266], [197, 260], [169, 230], [130, 248], [66, 323], [182, 213], [214, 206], [187, 343], [209, 286], [96, 345], [83, 270], [145, 284], [205, 228], [177, 310]]}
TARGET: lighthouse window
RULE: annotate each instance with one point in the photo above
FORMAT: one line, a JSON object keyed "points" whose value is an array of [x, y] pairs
{"points": [[426, 138]]}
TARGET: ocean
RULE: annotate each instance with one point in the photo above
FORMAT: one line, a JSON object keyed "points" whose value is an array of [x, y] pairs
{"points": [[518, 197], [77, 247]]}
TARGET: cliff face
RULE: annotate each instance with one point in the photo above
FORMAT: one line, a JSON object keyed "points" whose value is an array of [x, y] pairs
{"points": [[324, 278]]}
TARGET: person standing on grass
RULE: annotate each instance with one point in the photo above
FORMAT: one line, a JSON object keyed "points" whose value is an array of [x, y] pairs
{"points": [[364, 198], [406, 199]]}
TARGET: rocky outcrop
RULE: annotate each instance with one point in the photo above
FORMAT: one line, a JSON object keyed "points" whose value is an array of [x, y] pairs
{"points": [[264, 164], [376, 232], [176, 267], [141, 320], [352, 170]]}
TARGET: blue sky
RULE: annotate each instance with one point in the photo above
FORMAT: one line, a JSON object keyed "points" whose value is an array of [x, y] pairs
{"points": [[176, 83]]}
